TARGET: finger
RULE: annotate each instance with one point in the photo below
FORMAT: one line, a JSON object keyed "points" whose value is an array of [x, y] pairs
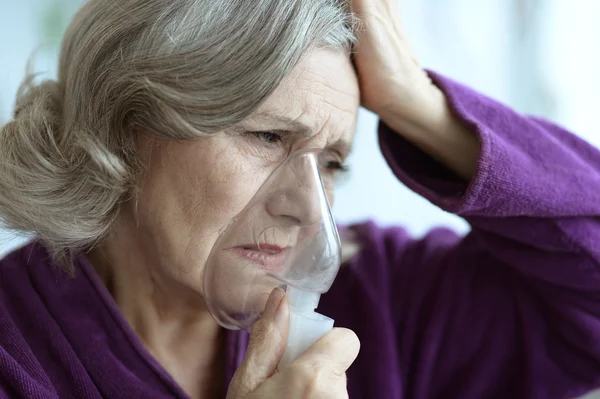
{"points": [[337, 349], [267, 344]]}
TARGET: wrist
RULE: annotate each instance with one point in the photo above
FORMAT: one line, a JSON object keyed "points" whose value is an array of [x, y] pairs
{"points": [[419, 117], [432, 126]]}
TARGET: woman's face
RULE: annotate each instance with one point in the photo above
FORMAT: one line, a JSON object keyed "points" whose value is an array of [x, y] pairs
{"points": [[194, 188]]}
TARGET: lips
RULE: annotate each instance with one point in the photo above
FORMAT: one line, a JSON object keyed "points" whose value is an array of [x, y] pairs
{"points": [[267, 256]]}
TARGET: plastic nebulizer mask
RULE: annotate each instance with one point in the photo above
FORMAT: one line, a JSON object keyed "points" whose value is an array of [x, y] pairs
{"points": [[285, 237]]}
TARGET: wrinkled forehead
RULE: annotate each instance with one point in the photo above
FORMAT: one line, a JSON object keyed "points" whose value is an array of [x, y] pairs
{"points": [[320, 96]]}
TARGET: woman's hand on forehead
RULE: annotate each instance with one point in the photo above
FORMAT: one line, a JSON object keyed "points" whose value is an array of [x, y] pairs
{"points": [[390, 77], [395, 87]]}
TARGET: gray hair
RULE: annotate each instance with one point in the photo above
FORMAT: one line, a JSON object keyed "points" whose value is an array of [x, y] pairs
{"points": [[175, 69]]}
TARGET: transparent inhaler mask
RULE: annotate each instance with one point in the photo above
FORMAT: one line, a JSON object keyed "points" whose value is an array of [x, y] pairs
{"points": [[285, 237]]}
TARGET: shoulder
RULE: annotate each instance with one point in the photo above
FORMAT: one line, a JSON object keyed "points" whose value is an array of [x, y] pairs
{"points": [[390, 245], [15, 272], [15, 279], [386, 257], [19, 293], [20, 371]]}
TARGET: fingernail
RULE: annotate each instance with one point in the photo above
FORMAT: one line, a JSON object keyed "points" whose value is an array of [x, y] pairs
{"points": [[273, 302]]}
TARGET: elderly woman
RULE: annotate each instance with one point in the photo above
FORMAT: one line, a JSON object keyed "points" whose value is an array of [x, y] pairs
{"points": [[166, 118]]}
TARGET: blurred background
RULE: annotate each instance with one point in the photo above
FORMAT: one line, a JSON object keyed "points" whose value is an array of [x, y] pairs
{"points": [[538, 56]]}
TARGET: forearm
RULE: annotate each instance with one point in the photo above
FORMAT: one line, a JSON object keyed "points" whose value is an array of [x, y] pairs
{"points": [[438, 133], [533, 198]]}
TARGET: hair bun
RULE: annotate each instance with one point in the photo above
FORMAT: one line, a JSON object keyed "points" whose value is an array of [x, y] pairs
{"points": [[38, 169], [43, 101]]}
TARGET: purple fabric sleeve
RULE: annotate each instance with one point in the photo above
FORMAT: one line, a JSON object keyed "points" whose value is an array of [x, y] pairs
{"points": [[515, 304]]}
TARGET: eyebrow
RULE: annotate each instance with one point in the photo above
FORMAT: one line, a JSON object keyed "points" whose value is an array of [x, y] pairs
{"points": [[293, 124], [344, 147]]}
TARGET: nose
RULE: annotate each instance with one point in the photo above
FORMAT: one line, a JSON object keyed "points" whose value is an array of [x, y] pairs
{"points": [[298, 192]]}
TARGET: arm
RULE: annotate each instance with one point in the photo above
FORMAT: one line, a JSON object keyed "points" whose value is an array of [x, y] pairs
{"points": [[521, 170], [438, 133], [513, 309], [394, 86], [535, 195]]}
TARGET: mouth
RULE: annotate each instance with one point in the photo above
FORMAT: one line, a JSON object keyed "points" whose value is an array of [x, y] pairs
{"points": [[267, 256]]}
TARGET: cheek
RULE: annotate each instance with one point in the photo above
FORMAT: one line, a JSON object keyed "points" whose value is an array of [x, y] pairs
{"points": [[191, 191], [213, 184], [222, 191]]}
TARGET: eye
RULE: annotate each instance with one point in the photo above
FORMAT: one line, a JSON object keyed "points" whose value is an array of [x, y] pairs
{"points": [[268, 137], [336, 166], [334, 173]]}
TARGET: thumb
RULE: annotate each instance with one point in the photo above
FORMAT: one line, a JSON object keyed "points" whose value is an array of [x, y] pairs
{"points": [[268, 339]]}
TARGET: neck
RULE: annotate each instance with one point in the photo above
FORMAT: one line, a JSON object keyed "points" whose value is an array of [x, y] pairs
{"points": [[171, 320]]}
